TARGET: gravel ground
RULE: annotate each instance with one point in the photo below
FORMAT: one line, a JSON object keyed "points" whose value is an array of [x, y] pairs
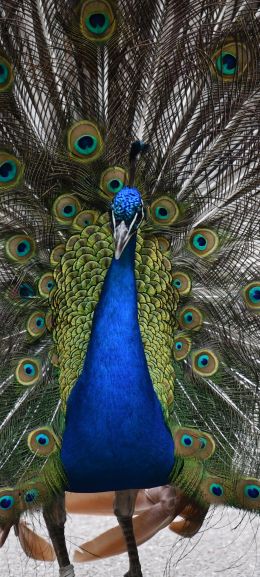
{"points": [[227, 545]]}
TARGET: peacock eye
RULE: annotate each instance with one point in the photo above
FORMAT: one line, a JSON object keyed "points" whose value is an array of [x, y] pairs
{"points": [[203, 242], [190, 318], [231, 60], [248, 493], [251, 294], [20, 248], [57, 254], [6, 502], [31, 496], [65, 209], [216, 489], [97, 20], [164, 211], [11, 170], [113, 180], [42, 441], [6, 74], [28, 371], [85, 218], [186, 441], [182, 282], [36, 324], [46, 284], [84, 141], [182, 346], [205, 363]]}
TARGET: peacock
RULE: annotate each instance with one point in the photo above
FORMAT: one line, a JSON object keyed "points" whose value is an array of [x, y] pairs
{"points": [[130, 287]]}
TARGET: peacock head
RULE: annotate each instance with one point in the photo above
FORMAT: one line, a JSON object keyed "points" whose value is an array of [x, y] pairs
{"points": [[127, 212]]}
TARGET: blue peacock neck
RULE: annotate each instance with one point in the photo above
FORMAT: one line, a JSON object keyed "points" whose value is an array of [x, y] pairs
{"points": [[115, 433]]}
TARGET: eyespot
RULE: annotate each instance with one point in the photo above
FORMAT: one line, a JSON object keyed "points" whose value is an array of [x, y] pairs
{"points": [[231, 61], [190, 318], [203, 242], [182, 282], [31, 496], [65, 209], [251, 294], [248, 493], [164, 243], [113, 180], [46, 284], [36, 326], [20, 248], [6, 502], [11, 170], [97, 21], [188, 443], [43, 441], [216, 489], [57, 254], [6, 75], [28, 371], [84, 142], [85, 218], [182, 346], [205, 363], [164, 211]]}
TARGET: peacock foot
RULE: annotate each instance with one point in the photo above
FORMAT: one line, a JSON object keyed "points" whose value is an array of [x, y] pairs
{"points": [[67, 571], [134, 572]]}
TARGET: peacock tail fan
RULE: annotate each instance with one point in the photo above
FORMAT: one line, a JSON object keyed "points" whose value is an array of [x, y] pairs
{"points": [[79, 83]]}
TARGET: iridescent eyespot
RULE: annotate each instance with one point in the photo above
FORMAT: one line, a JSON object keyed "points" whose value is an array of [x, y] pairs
{"points": [[6, 502], [205, 363], [85, 218], [164, 211], [20, 248], [65, 209], [190, 318], [35, 325], [28, 371], [186, 441], [84, 141], [113, 180], [248, 493], [31, 496], [57, 254], [216, 489], [97, 21], [251, 294], [182, 282], [182, 346], [43, 441], [6, 75], [231, 60], [193, 443], [203, 242], [46, 284], [11, 171]]}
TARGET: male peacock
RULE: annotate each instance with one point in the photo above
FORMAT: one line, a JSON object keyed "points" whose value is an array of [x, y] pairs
{"points": [[139, 369]]}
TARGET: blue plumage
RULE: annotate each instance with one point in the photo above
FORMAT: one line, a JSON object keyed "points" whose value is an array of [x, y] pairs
{"points": [[110, 441]]}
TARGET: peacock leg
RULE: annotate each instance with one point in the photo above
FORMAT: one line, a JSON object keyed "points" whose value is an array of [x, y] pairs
{"points": [[55, 518], [124, 506]]}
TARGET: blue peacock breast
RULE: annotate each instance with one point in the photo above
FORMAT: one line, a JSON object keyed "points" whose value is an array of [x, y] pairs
{"points": [[115, 435]]}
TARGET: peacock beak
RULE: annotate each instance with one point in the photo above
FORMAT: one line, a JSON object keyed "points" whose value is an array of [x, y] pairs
{"points": [[122, 235]]}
